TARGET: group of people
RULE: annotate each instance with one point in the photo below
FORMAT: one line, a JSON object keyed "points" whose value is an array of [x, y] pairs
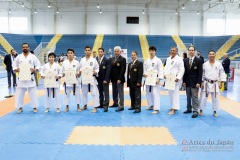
{"points": [[190, 72]]}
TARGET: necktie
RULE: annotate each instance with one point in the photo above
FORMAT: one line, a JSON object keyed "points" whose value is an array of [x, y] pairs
{"points": [[131, 64], [190, 63]]}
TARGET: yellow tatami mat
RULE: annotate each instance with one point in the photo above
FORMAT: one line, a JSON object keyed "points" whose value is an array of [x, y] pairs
{"points": [[121, 136]]}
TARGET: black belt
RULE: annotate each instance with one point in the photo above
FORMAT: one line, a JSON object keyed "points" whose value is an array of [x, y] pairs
{"points": [[65, 88], [210, 81], [53, 92]]}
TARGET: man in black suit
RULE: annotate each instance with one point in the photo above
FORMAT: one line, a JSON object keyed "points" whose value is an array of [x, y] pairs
{"points": [[8, 60], [226, 66], [117, 78], [199, 56], [192, 79], [134, 80], [103, 79]]}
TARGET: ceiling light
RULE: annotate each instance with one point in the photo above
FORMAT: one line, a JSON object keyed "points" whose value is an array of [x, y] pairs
{"points": [[35, 11], [100, 11], [143, 12], [22, 4], [183, 7], [49, 5], [98, 6], [57, 11]]}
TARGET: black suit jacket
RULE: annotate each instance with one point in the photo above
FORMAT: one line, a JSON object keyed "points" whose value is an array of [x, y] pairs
{"points": [[104, 70], [8, 62], [201, 57], [136, 74], [193, 75], [118, 69], [226, 65]]}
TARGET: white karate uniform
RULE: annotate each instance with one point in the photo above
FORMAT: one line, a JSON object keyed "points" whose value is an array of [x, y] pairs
{"points": [[49, 91], [69, 87], [175, 66], [153, 97], [30, 85], [215, 73], [91, 62]]}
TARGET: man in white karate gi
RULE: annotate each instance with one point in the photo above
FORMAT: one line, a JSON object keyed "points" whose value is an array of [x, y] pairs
{"points": [[26, 85], [174, 65], [91, 63], [213, 77], [72, 64], [153, 92]]}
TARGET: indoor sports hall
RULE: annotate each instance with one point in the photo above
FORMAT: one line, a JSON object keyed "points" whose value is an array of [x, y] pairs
{"points": [[134, 25]]}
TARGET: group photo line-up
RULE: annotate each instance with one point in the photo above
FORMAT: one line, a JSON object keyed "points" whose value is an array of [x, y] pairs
{"points": [[93, 74]]}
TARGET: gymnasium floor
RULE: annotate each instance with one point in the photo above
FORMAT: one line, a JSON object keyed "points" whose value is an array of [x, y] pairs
{"points": [[120, 136]]}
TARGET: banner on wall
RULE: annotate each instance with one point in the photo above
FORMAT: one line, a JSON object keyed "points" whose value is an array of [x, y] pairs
{"points": [[124, 53]]}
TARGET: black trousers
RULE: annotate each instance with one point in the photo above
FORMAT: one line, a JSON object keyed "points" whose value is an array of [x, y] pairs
{"points": [[10, 74], [103, 94], [117, 91], [135, 95]]}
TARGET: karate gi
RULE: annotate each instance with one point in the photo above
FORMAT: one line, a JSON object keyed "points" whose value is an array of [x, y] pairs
{"points": [[175, 66], [30, 85], [75, 88], [52, 93], [153, 92], [211, 77], [93, 64]]}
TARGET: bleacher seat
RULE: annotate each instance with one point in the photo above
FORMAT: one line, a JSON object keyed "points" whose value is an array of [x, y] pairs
{"points": [[162, 43], [76, 42], [129, 42]]}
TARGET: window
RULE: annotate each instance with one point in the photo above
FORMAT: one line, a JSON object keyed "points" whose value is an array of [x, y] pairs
{"points": [[18, 24], [233, 26], [4, 24], [215, 26]]}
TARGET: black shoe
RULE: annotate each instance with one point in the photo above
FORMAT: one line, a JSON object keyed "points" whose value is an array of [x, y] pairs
{"points": [[137, 111], [100, 107], [119, 109], [194, 115], [131, 108], [105, 110], [225, 89], [187, 111], [15, 85], [9, 86]]}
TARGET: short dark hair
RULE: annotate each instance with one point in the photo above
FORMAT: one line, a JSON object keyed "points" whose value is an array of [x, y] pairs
{"points": [[11, 50], [199, 51], [193, 47], [101, 49], [211, 51], [88, 47], [153, 48], [25, 44], [70, 49], [184, 55], [52, 54], [135, 52]]}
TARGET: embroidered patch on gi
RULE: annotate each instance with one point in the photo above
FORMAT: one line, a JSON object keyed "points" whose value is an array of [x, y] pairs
{"points": [[216, 68], [30, 61], [153, 64], [172, 62], [74, 66], [91, 63]]}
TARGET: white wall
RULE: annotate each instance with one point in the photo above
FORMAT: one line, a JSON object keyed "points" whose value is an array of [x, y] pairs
{"points": [[92, 22], [43, 23], [70, 22]]}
